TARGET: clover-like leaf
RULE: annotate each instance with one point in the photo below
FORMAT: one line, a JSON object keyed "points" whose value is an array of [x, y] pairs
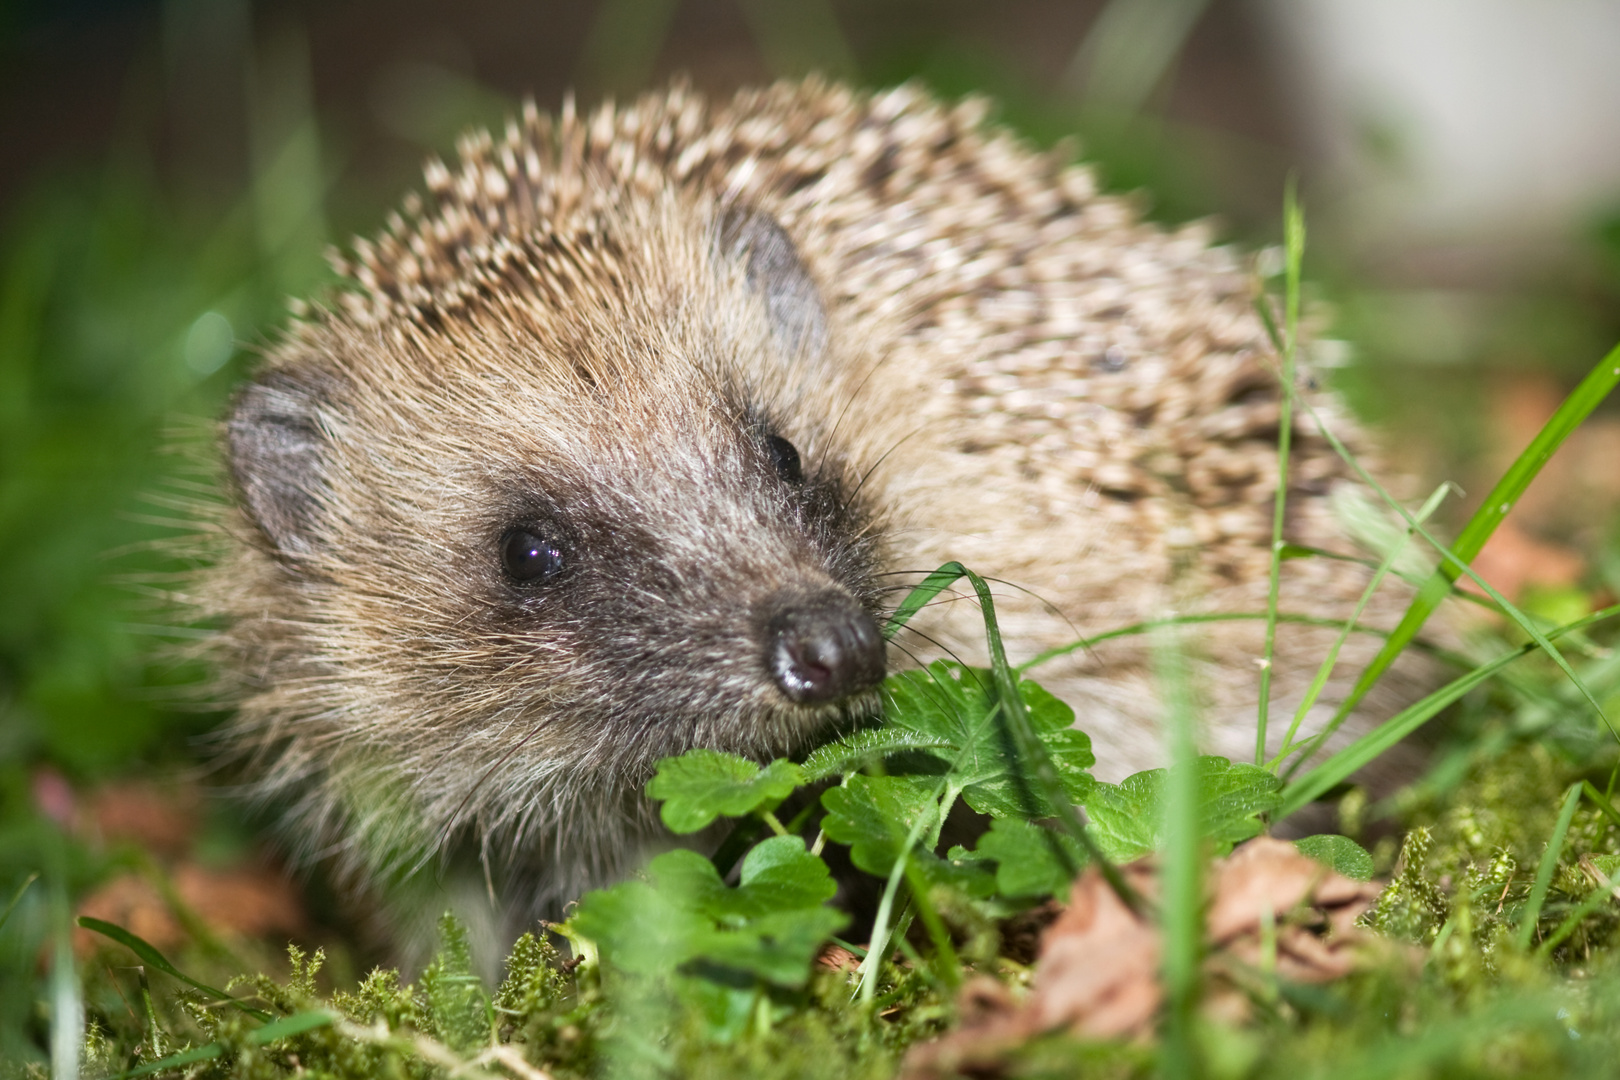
{"points": [[874, 815], [778, 946], [1340, 852], [1128, 818], [640, 929], [685, 920], [1030, 860], [701, 785]]}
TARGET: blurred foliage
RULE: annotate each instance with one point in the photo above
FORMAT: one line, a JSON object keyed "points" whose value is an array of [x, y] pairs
{"points": [[128, 307]]}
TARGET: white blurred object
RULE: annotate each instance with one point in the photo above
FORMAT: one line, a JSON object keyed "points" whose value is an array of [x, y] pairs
{"points": [[1491, 122]]}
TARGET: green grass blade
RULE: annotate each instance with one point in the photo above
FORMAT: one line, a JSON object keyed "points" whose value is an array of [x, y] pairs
{"points": [[947, 967], [17, 898], [932, 585], [286, 1027], [1294, 243], [1575, 409], [1594, 900], [1181, 910], [1329, 662], [1149, 625], [1455, 563], [1033, 754], [1601, 801], [1549, 864], [206, 1052], [879, 945], [1336, 769], [67, 1021], [156, 959]]}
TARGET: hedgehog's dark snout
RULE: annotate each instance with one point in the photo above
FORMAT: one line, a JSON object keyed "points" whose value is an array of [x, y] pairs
{"points": [[822, 648]]}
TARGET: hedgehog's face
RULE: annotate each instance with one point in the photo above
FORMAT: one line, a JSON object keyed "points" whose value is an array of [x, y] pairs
{"points": [[484, 552]]}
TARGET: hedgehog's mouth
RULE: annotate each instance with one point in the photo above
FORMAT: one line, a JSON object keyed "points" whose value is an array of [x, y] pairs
{"points": [[821, 648]]}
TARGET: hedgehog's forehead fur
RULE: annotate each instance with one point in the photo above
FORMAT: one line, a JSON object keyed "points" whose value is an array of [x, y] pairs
{"points": [[624, 406]]}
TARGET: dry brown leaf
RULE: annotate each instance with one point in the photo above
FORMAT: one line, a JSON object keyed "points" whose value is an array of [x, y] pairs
{"points": [[243, 901], [1098, 974], [837, 958], [1513, 560], [163, 821], [129, 901]]}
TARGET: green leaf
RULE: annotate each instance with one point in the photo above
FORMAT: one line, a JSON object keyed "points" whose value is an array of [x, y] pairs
{"points": [[777, 947], [684, 922], [779, 874], [918, 598], [1340, 852], [701, 785], [1030, 860], [17, 899], [956, 705], [875, 814], [1128, 817], [964, 872], [151, 956], [861, 748]]}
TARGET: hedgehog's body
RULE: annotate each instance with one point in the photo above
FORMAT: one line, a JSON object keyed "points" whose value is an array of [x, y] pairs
{"points": [[532, 506]]}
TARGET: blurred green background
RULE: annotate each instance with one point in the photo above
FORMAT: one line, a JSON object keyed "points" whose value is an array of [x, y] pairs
{"points": [[171, 172]]}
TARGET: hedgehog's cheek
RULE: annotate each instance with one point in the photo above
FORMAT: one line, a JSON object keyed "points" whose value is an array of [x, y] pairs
{"points": [[821, 648]]}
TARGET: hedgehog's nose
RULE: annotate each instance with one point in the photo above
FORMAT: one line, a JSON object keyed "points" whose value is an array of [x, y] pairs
{"points": [[823, 649]]}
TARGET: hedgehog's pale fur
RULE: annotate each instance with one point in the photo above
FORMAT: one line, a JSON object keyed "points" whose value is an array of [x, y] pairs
{"points": [[1017, 373]]}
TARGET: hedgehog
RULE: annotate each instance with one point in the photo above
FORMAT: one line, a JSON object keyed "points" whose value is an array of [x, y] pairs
{"points": [[626, 433]]}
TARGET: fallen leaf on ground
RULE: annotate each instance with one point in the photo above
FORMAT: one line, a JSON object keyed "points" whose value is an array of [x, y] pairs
{"points": [[132, 902], [242, 901], [1512, 560], [1098, 973], [163, 822], [838, 958]]}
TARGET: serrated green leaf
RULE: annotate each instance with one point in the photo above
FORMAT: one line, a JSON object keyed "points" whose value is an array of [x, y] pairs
{"points": [[1128, 818], [1012, 794], [1030, 860], [862, 748], [960, 871], [701, 785], [956, 705], [1340, 852], [875, 814]]}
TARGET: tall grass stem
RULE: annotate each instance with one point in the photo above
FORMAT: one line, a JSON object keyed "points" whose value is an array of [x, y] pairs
{"points": [[1294, 245]]}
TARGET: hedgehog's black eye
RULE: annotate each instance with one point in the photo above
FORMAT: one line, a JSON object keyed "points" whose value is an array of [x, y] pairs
{"points": [[529, 559], [785, 457]]}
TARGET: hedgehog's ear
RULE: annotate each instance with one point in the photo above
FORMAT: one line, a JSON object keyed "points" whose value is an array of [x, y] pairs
{"points": [[275, 442], [778, 276]]}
